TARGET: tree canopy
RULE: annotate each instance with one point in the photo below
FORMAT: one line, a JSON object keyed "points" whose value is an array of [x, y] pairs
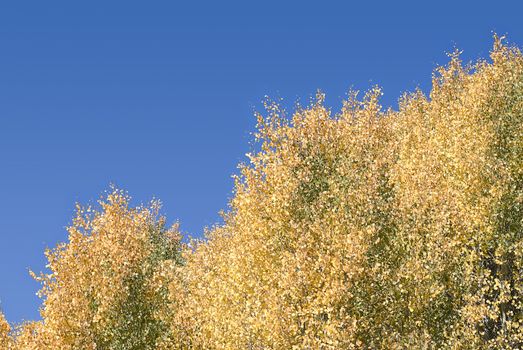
{"points": [[361, 229]]}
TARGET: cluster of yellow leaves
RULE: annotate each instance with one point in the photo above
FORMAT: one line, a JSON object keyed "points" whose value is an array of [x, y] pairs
{"points": [[365, 229], [103, 291], [372, 229], [5, 329]]}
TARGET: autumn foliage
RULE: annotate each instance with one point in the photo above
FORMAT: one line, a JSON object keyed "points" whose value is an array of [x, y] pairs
{"points": [[106, 284], [361, 229]]}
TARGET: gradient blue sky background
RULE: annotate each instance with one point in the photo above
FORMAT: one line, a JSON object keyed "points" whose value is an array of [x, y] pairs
{"points": [[157, 97]]}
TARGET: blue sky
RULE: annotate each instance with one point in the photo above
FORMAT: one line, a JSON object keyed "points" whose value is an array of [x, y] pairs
{"points": [[158, 97]]}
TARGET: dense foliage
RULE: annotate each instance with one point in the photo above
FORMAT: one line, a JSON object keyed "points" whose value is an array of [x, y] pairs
{"points": [[106, 287], [365, 229]]}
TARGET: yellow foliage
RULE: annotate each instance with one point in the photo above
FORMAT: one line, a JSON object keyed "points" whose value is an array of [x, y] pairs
{"points": [[364, 229], [5, 329], [372, 229], [104, 291]]}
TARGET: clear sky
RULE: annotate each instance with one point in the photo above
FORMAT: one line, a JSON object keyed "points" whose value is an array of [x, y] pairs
{"points": [[157, 97]]}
